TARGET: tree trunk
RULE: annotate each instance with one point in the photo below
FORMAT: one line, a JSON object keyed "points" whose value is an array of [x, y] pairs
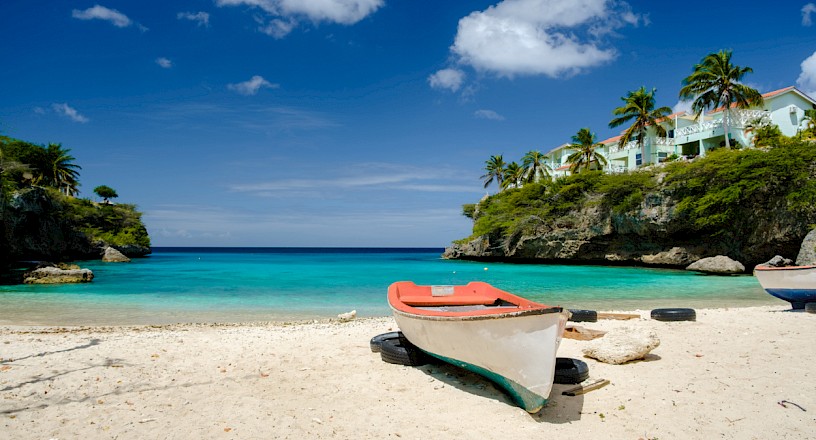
{"points": [[725, 126]]}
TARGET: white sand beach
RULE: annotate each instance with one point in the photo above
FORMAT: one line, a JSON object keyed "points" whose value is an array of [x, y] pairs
{"points": [[722, 376]]}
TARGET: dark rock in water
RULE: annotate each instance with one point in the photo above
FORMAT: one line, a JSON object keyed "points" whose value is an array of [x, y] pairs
{"points": [[777, 261], [719, 265], [807, 253], [55, 275]]}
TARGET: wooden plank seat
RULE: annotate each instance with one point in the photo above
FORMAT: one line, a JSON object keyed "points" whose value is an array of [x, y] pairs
{"points": [[457, 300]]}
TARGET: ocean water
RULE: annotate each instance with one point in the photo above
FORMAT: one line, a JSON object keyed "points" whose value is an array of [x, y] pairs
{"points": [[279, 284]]}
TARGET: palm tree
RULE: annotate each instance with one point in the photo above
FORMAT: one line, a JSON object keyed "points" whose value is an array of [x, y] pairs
{"points": [[513, 176], [535, 166], [639, 107], [584, 144], [57, 170], [715, 82], [810, 117], [495, 170]]}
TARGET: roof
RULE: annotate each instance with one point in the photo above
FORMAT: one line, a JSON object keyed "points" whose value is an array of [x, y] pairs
{"points": [[771, 95], [610, 140], [562, 146], [563, 167]]}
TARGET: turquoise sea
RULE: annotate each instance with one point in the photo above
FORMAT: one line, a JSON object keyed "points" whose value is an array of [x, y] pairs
{"points": [[262, 284]]}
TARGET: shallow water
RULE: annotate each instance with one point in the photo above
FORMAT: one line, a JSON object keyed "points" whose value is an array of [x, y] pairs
{"points": [[260, 284]]}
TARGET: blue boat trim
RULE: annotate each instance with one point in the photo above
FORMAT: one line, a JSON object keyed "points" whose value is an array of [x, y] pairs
{"points": [[797, 297], [529, 401]]}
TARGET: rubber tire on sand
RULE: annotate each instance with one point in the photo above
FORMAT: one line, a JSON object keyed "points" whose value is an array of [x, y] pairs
{"points": [[674, 315], [376, 341], [810, 307], [583, 315], [570, 371], [402, 352]]}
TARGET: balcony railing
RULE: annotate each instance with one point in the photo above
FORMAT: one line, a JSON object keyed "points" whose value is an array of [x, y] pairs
{"points": [[737, 119]]}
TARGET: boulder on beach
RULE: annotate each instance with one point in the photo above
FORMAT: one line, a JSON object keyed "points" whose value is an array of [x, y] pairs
{"points": [[777, 261], [348, 316], [719, 265], [55, 275], [622, 345]]}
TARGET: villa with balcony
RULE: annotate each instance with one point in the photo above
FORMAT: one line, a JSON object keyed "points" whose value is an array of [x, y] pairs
{"points": [[690, 137]]}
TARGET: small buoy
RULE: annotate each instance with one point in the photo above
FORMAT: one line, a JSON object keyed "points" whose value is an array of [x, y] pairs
{"points": [[485, 268], [454, 271]]}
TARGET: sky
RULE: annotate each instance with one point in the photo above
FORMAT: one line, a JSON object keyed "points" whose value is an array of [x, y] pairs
{"points": [[350, 122]]}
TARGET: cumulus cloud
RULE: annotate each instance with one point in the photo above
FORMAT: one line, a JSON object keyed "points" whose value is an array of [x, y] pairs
{"points": [[807, 79], [806, 11], [488, 114], [251, 86], [97, 12], [201, 18], [682, 106], [282, 15], [69, 112], [164, 62], [447, 79], [541, 37]]}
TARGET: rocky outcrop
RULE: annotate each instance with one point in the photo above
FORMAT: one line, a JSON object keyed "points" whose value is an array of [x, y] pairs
{"points": [[653, 234], [777, 261], [114, 256], [622, 345], [55, 275], [807, 253], [719, 265]]}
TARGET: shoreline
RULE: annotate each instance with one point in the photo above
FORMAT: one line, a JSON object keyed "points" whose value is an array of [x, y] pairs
{"points": [[720, 376]]}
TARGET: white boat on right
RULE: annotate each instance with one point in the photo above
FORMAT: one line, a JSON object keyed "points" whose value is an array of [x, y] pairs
{"points": [[795, 284]]}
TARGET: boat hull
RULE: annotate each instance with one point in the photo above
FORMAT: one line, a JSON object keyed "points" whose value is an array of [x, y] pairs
{"points": [[517, 351], [795, 284]]}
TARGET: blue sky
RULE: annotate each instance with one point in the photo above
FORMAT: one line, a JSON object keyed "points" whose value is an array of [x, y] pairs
{"points": [[350, 122]]}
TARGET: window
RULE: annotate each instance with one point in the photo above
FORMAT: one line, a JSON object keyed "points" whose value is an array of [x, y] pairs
{"points": [[638, 159]]}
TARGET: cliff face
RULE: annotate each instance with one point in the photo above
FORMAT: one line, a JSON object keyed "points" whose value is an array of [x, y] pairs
{"points": [[34, 225], [656, 233]]}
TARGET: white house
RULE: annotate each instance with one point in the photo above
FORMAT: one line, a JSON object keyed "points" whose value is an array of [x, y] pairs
{"points": [[689, 136]]}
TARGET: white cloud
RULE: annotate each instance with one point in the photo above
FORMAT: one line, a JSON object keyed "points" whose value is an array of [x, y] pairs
{"points": [[682, 106], [251, 86], [807, 79], [69, 112], [102, 13], [806, 11], [202, 18], [488, 114], [164, 62], [541, 37], [283, 14], [447, 79]]}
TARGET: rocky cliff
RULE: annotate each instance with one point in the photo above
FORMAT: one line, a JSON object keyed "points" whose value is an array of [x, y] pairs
{"points": [[37, 225], [669, 224]]}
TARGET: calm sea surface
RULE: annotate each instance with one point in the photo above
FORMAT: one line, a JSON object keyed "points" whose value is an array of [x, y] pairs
{"points": [[261, 284]]}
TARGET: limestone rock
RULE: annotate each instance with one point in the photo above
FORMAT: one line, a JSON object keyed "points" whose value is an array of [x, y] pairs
{"points": [[777, 261], [807, 253], [622, 345], [348, 316], [114, 256], [676, 256], [719, 265], [55, 275]]}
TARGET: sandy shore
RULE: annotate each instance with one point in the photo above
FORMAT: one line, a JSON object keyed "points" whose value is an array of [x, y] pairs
{"points": [[720, 377]]}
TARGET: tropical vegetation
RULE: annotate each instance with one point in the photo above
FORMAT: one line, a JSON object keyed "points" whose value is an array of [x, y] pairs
{"points": [[585, 151], [714, 83], [48, 177], [639, 109]]}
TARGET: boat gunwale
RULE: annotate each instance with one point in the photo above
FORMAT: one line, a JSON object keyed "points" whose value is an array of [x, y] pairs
{"points": [[464, 316], [784, 268]]}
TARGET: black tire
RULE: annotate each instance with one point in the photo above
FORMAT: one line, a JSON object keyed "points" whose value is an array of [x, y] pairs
{"points": [[376, 341], [674, 315], [401, 352], [583, 315], [810, 307], [570, 371]]}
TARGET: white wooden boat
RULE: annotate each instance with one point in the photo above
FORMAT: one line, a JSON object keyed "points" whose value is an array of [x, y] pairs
{"points": [[795, 284], [506, 338]]}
